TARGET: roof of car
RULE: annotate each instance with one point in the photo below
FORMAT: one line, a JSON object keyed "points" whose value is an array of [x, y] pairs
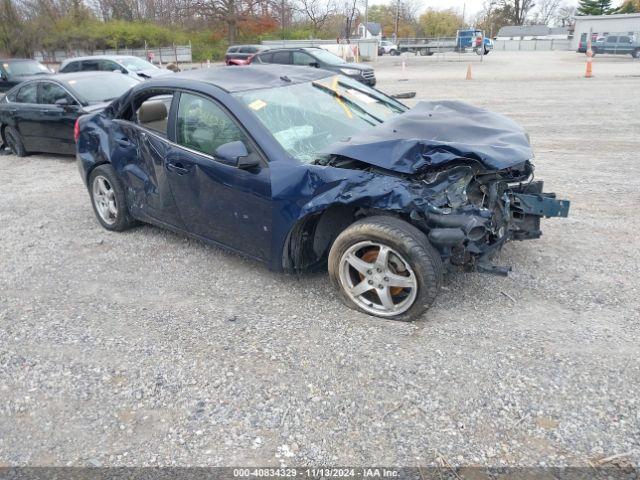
{"points": [[99, 57], [67, 77], [252, 77]]}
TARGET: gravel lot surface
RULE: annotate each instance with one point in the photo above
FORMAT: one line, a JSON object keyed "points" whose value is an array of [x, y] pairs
{"points": [[146, 348]]}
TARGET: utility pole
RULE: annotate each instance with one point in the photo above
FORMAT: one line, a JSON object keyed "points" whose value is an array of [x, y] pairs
{"points": [[395, 33], [282, 18], [366, 17]]}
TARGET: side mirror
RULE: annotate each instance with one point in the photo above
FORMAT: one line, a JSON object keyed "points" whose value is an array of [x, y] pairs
{"points": [[314, 64], [65, 105], [3, 76], [236, 154]]}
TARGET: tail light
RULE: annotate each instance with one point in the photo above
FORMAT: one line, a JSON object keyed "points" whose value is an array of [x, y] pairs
{"points": [[76, 130]]}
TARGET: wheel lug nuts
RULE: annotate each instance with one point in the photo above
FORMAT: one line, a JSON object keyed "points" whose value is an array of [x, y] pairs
{"points": [[368, 272], [386, 279], [378, 270], [370, 282], [380, 287]]}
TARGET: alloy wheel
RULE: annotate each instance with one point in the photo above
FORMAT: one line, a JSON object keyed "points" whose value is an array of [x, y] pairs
{"points": [[378, 279], [104, 199]]}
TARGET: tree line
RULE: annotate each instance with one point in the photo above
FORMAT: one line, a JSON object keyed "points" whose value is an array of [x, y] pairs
{"points": [[210, 25]]}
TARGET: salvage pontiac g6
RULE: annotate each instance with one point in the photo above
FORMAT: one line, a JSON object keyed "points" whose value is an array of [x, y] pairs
{"points": [[298, 167]]}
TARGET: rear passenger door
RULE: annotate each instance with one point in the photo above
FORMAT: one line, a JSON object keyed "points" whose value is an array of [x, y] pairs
{"points": [[27, 116], [141, 146], [57, 120]]}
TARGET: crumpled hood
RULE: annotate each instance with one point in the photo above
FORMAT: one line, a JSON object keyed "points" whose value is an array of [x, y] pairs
{"points": [[434, 133]]}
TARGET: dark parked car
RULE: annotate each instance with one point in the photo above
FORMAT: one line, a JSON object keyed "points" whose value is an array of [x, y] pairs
{"points": [[16, 70], [135, 67], [241, 54], [39, 115], [319, 58], [617, 45], [297, 167]]}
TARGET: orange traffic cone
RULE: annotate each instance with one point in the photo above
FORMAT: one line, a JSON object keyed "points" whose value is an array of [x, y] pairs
{"points": [[589, 72], [469, 72]]}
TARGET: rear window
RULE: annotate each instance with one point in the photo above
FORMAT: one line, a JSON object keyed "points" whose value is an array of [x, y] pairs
{"points": [[249, 49], [102, 88]]}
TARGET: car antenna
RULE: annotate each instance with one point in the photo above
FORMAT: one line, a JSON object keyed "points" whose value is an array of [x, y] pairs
{"points": [[284, 78]]}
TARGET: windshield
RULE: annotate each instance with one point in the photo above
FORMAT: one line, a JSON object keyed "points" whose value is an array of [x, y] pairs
{"points": [[23, 69], [98, 88], [136, 64], [308, 117], [326, 57]]}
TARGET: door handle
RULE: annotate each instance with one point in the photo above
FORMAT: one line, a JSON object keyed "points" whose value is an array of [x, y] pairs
{"points": [[178, 168]]}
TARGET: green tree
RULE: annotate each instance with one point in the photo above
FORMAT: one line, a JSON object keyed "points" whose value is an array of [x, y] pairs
{"points": [[594, 7], [440, 23], [630, 6]]}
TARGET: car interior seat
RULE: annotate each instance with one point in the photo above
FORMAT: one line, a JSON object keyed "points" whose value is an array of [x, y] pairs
{"points": [[153, 114]]}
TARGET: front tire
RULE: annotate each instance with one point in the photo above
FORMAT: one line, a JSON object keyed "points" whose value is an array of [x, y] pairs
{"points": [[108, 199], [385, 267], [14, 142]]}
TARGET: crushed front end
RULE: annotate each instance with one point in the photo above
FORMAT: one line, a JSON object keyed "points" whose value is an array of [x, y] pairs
{"points": [[470, 212]]}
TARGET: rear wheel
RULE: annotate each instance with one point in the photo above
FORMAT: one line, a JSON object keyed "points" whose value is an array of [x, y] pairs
{"points": [[108, 199], [636, 53], [385, 267], [14, 142]]}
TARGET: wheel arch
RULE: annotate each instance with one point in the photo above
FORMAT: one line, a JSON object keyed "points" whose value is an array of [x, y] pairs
{"points": [[308, 242]]}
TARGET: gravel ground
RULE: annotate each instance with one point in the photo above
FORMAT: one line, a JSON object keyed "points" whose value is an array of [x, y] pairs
{"points": [[146, 348]]}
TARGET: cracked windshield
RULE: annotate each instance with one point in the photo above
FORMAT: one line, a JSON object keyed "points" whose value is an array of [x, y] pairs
{"points": [[305, 118]]}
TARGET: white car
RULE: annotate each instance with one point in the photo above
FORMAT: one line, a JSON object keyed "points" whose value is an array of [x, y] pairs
{"points": [[387, 47]]}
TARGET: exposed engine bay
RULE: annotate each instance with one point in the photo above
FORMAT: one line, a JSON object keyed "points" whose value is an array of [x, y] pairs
{"points": [[468, 212]]}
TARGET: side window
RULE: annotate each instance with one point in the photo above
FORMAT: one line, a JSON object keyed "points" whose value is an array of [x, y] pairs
{"points": [[612, 39], [51, 93], [152, 112], [71, 67], [28, 94], [624, 40], [90, 65], [204, 126], [109, 66], [301, 58], [282, 57], [265, 57]]}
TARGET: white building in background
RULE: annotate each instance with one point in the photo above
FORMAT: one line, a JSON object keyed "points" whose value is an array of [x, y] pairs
{"points": [[627, 23], [370, 30]]}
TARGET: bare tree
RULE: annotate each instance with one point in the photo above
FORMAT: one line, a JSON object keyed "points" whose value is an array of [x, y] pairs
{"points": [[317, 12], [517, 11], [351, 13], [546, 11]]}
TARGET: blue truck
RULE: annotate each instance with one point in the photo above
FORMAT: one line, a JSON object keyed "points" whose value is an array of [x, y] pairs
{"points": [[467, 39]]}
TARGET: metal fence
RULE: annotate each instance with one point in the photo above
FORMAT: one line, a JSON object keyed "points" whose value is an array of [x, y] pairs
{"points": [[356, 50], [532, 45], [161, 55]]}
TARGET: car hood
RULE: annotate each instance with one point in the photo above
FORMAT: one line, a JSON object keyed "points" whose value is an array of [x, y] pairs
{"points": [[152, 73], [434, 133], [357, 66]]}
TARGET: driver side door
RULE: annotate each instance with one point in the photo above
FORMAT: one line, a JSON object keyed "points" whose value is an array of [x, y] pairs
{"points": [[216, 199]]}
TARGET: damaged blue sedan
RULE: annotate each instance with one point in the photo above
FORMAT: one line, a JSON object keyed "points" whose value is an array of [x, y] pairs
{"points": [[300, 168]]}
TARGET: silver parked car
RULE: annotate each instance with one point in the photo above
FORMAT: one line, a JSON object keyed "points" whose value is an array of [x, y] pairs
{"points": [[129, 65]]}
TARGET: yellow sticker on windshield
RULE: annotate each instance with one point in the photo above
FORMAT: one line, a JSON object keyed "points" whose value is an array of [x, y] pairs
{"points": [[257, 104]]}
